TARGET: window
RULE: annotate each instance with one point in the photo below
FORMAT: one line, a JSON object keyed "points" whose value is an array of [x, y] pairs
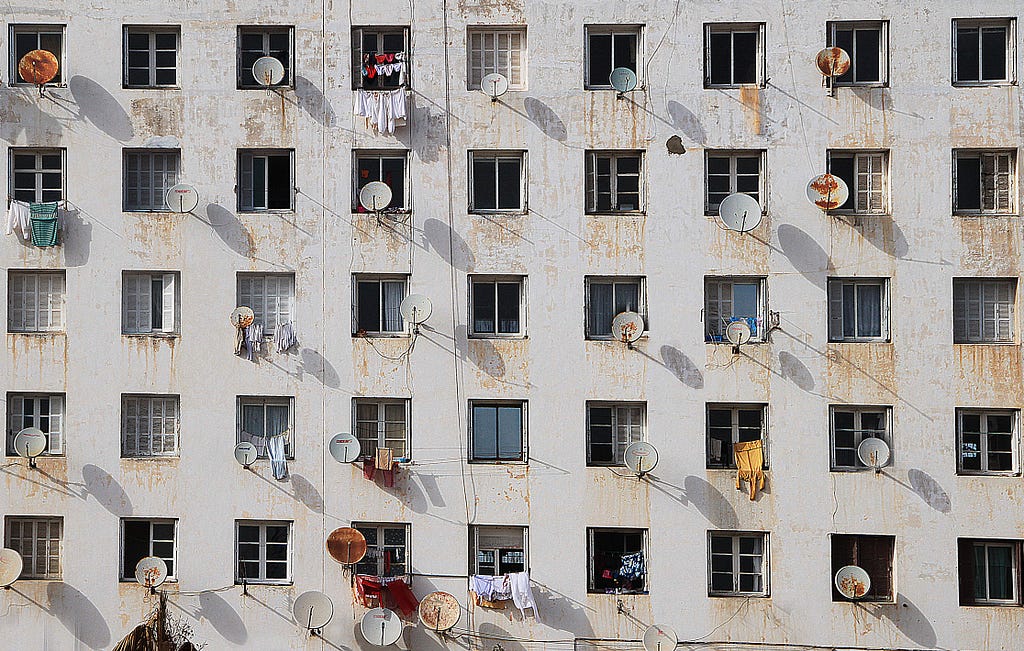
{"points": [[984, 51], [873, 554], [35, 301], [609, 296], [858, 309], [142, 538], [731, 172], [496, 306], [730, 424], [987, 440], [151, 57], [378, 302], [610, 47], [984, 182], [989, 572], [497, 50], [149, 426], [388, 167], [498, 181], [850, 426], [613, 181], [738, 564], [265, 180], [382, 423], [610, 428], [387, 47], [270, 296], [256, 42], [497, 550], [263, 554], [260, 418], [387, 549], [150, 302], [498, 431], [38, 540], [733, 299], [867, 44], [617, 561], [37, 175], [148, 175], [983, 310], [733, 55], [36, 410], [866, 174], [25, 38]]}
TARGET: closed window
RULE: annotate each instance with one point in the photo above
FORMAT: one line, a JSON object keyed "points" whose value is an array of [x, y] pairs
{"points": [[148, 175], [874, 555], [142, 538], [609, 296], [733, 55], [151, 56], [867, 43], [37, 175], [858, 309], [987, 440], [613, 181], [496, 306], [43, 411], [271, 297], [149, 302], [610, 47], [497, 50], [729, 425], [983, 310], [611, 427], [738, 564], [378, 302], [39, 540], [497, 550], [265, 180], [149, 426], [853, 425], [262, 418], [380, 57], [257, 42], [733, 299], [382, 423], [497, 181], [387, 549], [984, 51], [498, 431], [263, 552], [989, 572], [386, 167], [617, 561], [35, 301], [729, 173], [984, 182], [866, 174], [25, 38]]}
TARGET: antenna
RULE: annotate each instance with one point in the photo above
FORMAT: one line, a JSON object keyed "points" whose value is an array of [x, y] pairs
{"points": [[623, 80], [344, 447], [440, 611], [242, 317], [30, 443], [628, 327], [346, 545], [832, 62], [313, 610], [737, 333], [181, 198], [381, 627], [268, 72], [151, 572], [494, 85], [245, 454], [10, 567], [640, 457], [38, 67], [827, 192], [852, 582], [415, 309], [873, 453], [375, 196], [740, 212], [660, 638]]}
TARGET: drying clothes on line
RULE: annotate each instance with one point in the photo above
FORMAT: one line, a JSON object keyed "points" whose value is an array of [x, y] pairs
{"points": [[383, 109], [491, 588], [239, 340], [369, 590], [44, 224], [749, 465], [284, 337], [522, 593], [275, 450], [253, 340], [383, 461], [633, 566], [19, 219], [403, 597]]}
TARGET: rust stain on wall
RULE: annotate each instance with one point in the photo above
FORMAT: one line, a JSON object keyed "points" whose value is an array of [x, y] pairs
{"points": [[990, 374], [616, 238], [500, 362], [157, 234], [858, 371], [750, 98], [991, 244]]}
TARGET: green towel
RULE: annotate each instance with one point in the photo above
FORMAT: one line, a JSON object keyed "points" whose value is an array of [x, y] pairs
{"points": [[44, 224]]}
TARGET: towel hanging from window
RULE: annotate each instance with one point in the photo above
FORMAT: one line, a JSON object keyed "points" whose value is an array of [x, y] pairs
{"points": [[522, 593], [633, 566], [284, 337], [383, 109], [749, 465], [275, 450], [19, 219], [44, 224], [253, 340]]}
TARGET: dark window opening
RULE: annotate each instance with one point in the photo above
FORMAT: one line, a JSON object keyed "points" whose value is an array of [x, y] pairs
{"points": [[874, 555], [618, 561]]}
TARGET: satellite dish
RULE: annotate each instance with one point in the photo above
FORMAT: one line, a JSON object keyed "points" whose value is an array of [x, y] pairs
{"points": [[246, 453], [151, 571], [622, 80], [182, 198], [346, 545], [440, 611], [628, 327], [660, 638], [494, 85], [242, 317], [873, 453], [827, 191], [415, 308], [30, 443], [381, 627], [268, 71], [10, 567], [640, 457], [313, 610], [38, 67], [375, 196], [832, 62], [852, 582], [740, 212], [344, 447], [738, 333]]}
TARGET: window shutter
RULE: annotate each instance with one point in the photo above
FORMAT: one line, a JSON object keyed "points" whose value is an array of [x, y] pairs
{"points": [[712, 316], [966, 570], [55, 436], [988, 182], [31, 293], [1003, 310], [168, 305], [15, 420], [357, 58], [245, 182], [835, 310], [591, 182], [1002, 182], [137, 301]]}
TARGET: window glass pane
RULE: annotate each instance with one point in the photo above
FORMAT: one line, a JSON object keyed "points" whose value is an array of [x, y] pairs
{"points": [[867, 63], [744, 296], [509, 184], [600, 59], [485, 432], [869, 310], [508, 308], [625, 51], [967, 57], [842, 165], [993, 53], [600, 309], [968, 183], [745, 57], [720, 44], [510, 434], [483, 307], [1000, 572], [369, 306], [485, 189]]}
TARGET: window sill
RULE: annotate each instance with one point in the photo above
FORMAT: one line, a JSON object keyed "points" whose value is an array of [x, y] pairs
{"points": [[617, 213], [278, 87], [608, 339], [153, 458], [38, 333], [854, 213], [722, 341], [21, 84], [151, 335], [738, 595], [356, 212], [992, 604], [41, 457], [611, 592], [127, 87], [977, 473], [759, 84], [861, 84], [850, 470], [881, 601], [501, 337], [381, 335], [985, 343], [148, 211], [979, 213], [270, 584], [277, 211], [984, 84], [853, 340], [511, 212], [499, 462], [729, 469]]}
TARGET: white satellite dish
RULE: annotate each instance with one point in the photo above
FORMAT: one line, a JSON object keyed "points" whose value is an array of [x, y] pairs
{"points": [[10, 567], [852, 582], [439, 611], [381, 627], [494, 85], [313, 610], [268, 71], [622, 80], [873, 453], [151, 571], [415, 309], [181, 198], [30, 443], [660, 638], [827, 191], [628, 327], [738, 333], [246, 453], [740, 212], [344, 447], [640, 457], [375, 196]]}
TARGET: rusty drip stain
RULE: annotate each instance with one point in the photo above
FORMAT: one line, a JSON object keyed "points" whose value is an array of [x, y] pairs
{"points": [[750, 97]]}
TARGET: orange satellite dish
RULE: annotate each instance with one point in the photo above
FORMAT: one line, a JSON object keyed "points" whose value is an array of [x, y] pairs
{"points": [[346, 545], [832, 62], [38, 67]]}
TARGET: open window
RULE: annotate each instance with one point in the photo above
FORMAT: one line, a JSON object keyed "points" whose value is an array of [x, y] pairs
{"points": [[874, 555], [984, 51], [984, 181], [733, 298], [610, 47], [149, 302], [852, 425], [382, 423], [729, 424], [41, 410], [737, 564], [607, 296], [264, 41], [867, 43], [617, 560], [733, 55], [388, 167], [989, 572], [142, 538], [380, 57], [262, 417], [387, 549], [611, 427], [858, 309], [614, 181], [866, 174], [25, 38], [497, 550], [265, 180]]}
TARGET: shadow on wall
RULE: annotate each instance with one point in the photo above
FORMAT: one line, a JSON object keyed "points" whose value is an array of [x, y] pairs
{"points": [[708, 500], [311, 99], [317, 365], [791, 368], [929, 490], [222, 617], [682, 367], [910, 621], [546, 120], [78, 615], [430, 129], [561, 612], [448, 244], [98, 106], [806, 255], [684, 120], [229, 229], [77, 238], [306, 492], [102, 486], [884, 234]]}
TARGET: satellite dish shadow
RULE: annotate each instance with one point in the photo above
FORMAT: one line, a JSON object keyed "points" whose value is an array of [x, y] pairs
{"points": [[307, 493], [710, 502], [929, 490], [98, 106], [311, 99], [910, 621], [78, 615], [110, 495], [546, 120], [431, 133], [228, 228], [448, 244], [684, 120], [885, 235], [561, 612], [486, 357], [682, 367], [77, 238], [806, 255], [315, 364], [489, 632], [223, 617], [794, 370]]}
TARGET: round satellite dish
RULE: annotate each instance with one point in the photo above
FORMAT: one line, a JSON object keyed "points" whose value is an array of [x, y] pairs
{"points": [[494, 85], [30, 442], [346, 545], [640, 457], [151, 571], [873, 453], [622, 80], [10, 566], [268, 71], [852, 582], [738, 333], [827, 191], [381, 627], [415, 308], [660, 638], [832, 62], [627, 327], [344, 447], [313, 610], [242, 317], [246, 453], [375, 196], [38, 67], [182, 198], [740, 212], [440, 611]]}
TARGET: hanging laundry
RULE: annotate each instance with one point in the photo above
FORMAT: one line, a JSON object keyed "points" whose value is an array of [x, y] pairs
{"points": [[633, 566], [491, 588], [239, 340], [275, 450], [385, 463], [369, 590], [403, 597], [369, 468], [749, 465], [44, 224], [253, 340], [284, 337], [19, 219], [382, 109], [522, 593]]}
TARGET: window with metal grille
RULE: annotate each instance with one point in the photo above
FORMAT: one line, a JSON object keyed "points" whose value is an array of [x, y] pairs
{"points": [[989, 572], [497, 50], [382, 423], [43, 411], [257, 42], [497, 181], [733, 299], [851, 426], [610, 47], [866, 174], [498, 431], [271, 297], [867, 43], [611, 427], [983, 310], [497, 550], [614, 181], [731, 424], [609, 296], [39, 540], [385, 166], [260, 418], [858, 309], [496, 306], [149, 426], [265, 180], [148, 175], [378, 302], [738, 564], [987, 440], [733, 55], [617, 561], [263, 553], [984, 182], [25, 38], [732, 172], [873, 554], [35, 301], [387, 549], [37, 175], [984, 51], [142, 538], [380, 57], [149, 302], [151, 56]]}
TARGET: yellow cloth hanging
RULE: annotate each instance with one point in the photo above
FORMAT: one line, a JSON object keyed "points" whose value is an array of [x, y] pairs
{"points": [[749, 465], [385, 459]]}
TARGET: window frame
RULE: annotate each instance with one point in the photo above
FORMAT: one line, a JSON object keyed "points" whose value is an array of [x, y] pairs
{"points": [[37, 171], [382, 421], [475, 548], [54, 445], [250, 155], [495, 280], [734, 537], [645, 549], [733, 156], [262, 545], [1010, 24], [379, 279], [614, 281], [173, 311], [358, 33], [591, 185], [381, 155], [61, 310], [882, 27], [836, 320], [14, 79], [265, 31], [612, 30], [835, 563], [760, 59], [261, 311], [149, 185], [981, 154], [854, 184], [265, 401], [858, 432], [29, 557], [615, 406], [151, 31], [983, 283], [381, 527], [983, 446], [126, 574], [497, 31], [734, 408], [150, 397], [498, 155], [759, 334], [967, 571], [524, 457]]}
